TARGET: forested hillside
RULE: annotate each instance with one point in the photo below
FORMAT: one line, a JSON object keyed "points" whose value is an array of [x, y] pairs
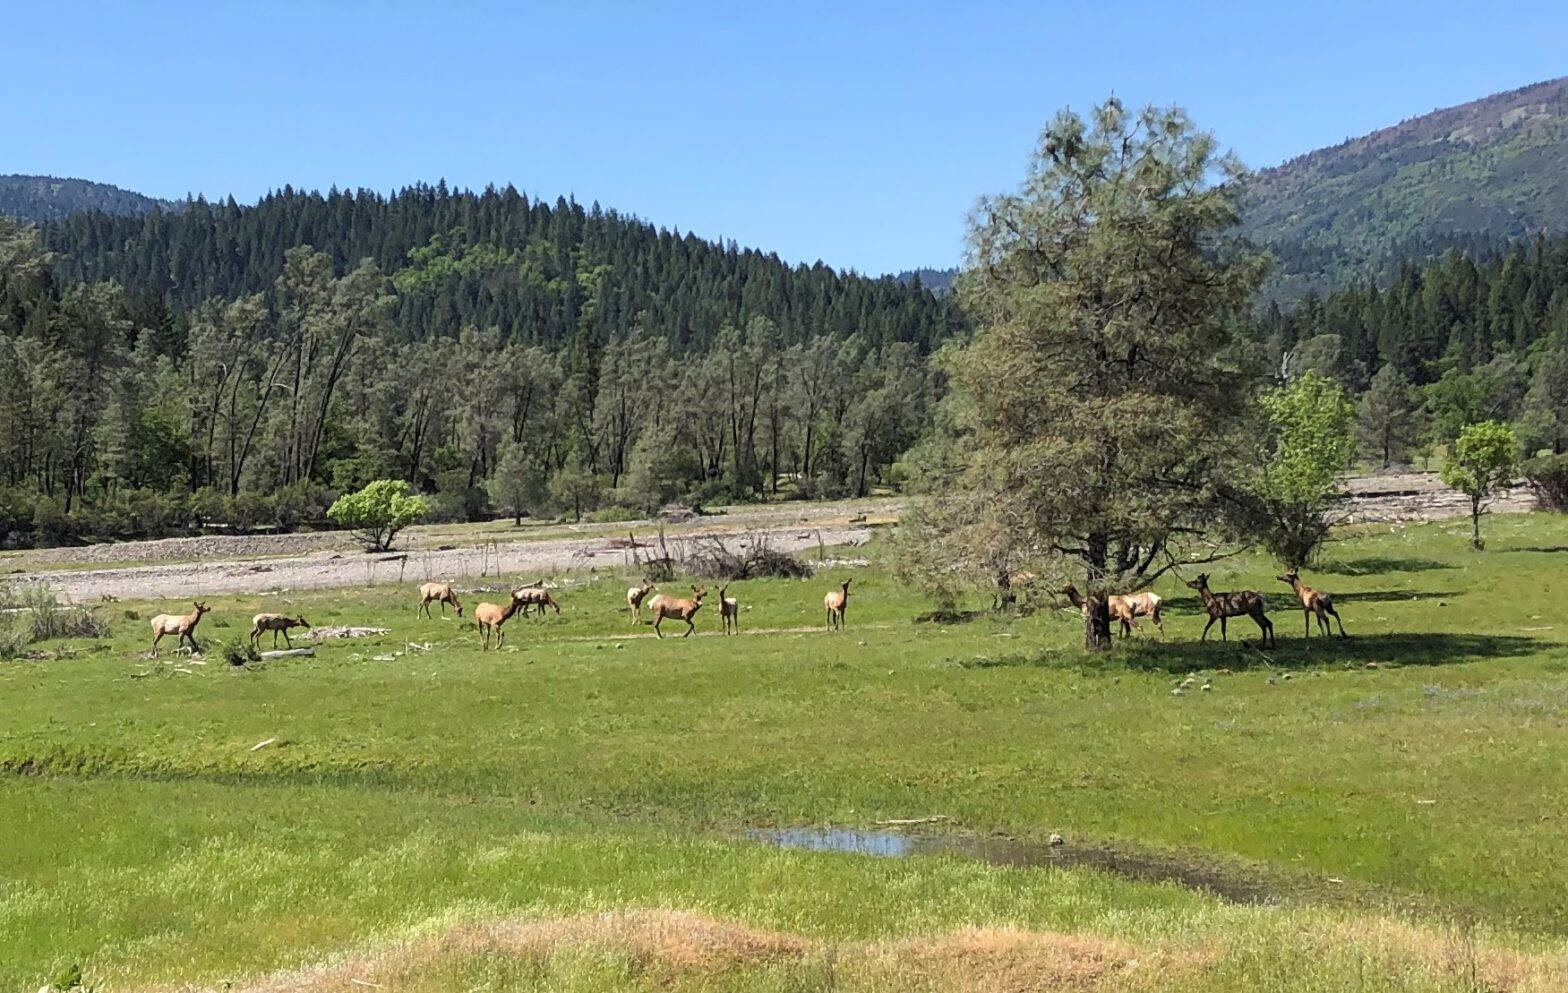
{"points": [[1471, 177], [242, 366], [47, 198], [536, 273]]}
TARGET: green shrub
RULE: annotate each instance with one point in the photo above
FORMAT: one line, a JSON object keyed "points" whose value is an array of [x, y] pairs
{"points": [[238, 650], [378, 512]]}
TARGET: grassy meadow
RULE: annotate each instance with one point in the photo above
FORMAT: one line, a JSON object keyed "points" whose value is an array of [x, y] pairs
{"points": [[567, 813]]}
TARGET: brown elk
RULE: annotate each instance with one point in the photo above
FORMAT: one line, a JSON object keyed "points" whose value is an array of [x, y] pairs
{"points": [[1124, 609], [835, 602], [182, 626], [275, 623], [1127, 608], [729, 612], [534, 596], [489, 617], [438, 593], [668, 606], [1316, 603], [1222, 606], [634, 598]]}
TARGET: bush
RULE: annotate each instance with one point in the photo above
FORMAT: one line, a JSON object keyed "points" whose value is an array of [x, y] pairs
{"points": [[1548, 479], [238, 650], [378, 512], [38, 616], [713, 559]]}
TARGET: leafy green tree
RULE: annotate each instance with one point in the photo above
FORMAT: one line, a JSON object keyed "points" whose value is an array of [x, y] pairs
{"points": [[1309, 432], [378, 512], [1102, 386], [518, 483], [1388, 422], [574, 486], [1482, 461], [1545, 420]]}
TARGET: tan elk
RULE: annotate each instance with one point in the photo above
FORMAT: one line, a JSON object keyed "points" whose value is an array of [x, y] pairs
{"points": [[1128, 607], [1222, 606], [835, 602], [534, 596], [667, 606], [489, 617], [634, 598], [729, 612], [1314, 603], [276, 623], [182, 626], [438, 593], [1125, 609]]}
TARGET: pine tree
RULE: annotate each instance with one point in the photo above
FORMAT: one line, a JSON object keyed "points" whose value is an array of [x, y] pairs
{"points": [[1387, 419]]}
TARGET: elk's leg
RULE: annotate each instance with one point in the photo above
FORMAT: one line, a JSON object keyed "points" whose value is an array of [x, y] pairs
{"points": [[1341, 623], [1223, 635], [1206, 629], [255, 636], [286, 640], [657, 618], [1306, 623], [190, 636], [690, 627], [155, 639]]}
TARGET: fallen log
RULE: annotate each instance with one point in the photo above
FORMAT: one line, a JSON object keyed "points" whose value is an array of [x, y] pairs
{"points": [[322, 633], [290, 653]]}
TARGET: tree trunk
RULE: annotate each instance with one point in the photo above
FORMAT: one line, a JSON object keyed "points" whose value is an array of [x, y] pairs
{"points": [[1476, 544], [1096, 623]]}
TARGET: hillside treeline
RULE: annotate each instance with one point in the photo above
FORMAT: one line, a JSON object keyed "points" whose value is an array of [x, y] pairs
{"points": [[1445, 344], [538, 274], [128, 413]]}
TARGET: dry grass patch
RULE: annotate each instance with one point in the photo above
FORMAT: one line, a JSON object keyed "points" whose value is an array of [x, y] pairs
{"points": [[671, 946], [1458, 955]]}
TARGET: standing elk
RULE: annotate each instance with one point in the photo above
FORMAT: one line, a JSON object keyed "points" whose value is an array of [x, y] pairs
{"points": [[489, 617], [534, 596], [1222, 606], [1125, 609], [182, 626], [667, 606], [275, 623], [835, 602], [1314, 603], [438, 593], [634, 598], [729, 612]]}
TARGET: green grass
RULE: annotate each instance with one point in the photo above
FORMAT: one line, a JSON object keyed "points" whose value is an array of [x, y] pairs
{"points": [[591, 767]]}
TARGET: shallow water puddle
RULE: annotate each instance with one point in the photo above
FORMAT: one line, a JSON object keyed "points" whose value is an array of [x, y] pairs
{"points": [[1020, 854]]}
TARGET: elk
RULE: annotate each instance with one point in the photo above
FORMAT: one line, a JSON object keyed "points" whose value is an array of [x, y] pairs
{"points": [[1124, 609], [439, 593], [489, 617], [667, 606], [835, 602], [729, 612], [1127, 608], [1222, 606], [534, 596], [182, 626], [1314, 603], [275, 623], [634, 598]]}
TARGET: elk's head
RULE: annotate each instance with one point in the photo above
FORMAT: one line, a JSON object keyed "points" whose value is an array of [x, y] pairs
{"points": [[1201, 582], [201, 608]]}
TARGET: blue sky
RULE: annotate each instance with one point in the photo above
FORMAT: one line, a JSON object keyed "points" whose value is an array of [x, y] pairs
{"points": [[857, 133]]}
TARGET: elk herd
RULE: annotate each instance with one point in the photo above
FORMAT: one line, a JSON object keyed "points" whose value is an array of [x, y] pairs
{"points": [[490, 619]]}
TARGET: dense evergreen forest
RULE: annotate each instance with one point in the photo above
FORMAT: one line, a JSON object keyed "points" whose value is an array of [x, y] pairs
{"points": [[239, 366], [234, 366]]}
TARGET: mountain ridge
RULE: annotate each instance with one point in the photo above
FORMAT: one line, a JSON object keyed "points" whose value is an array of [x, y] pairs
{"points": [[49, 198]]}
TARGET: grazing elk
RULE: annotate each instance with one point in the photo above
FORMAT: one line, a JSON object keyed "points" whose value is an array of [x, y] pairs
{"points": [[1222, 606], [182, 626], [438, 593], [275, 623], [534, 596], [835, 602], [1314, 603], [489, 617], [729, 612], [668, 606], [634, 598]]}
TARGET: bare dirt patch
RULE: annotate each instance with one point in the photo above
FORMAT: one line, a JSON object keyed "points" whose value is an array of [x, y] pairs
{"points": [[209, 574]]}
